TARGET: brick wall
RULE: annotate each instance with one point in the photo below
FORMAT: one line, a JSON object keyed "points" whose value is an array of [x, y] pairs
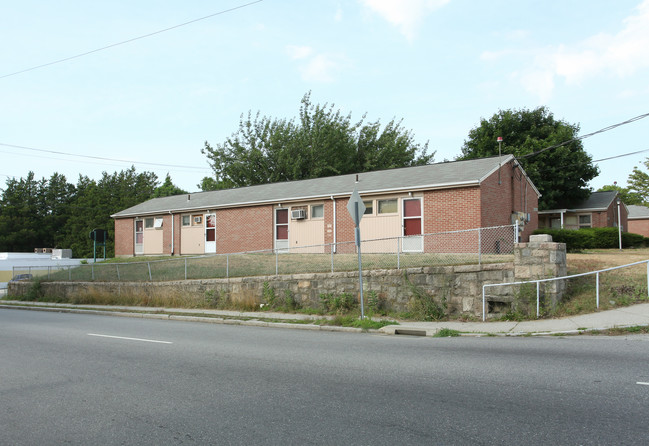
{"points": [[124, 233], [244, 229], [640, 226]]}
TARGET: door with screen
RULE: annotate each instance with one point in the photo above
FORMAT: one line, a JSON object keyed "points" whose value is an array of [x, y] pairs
{"points": [[412, 225], [281, 230], [139, 237], [210, 233]]}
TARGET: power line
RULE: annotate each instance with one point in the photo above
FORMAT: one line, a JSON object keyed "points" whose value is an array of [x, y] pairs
{"points": [[225, 11], [105, 159], [605, 129]]}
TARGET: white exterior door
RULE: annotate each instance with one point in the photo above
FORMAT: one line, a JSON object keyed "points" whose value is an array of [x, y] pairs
{"points": [[139, 237], [210, 233], [412, 225], [281, 230]]}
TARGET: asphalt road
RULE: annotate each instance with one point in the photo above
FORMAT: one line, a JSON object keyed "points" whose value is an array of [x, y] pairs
{"points": [[78, 379]]}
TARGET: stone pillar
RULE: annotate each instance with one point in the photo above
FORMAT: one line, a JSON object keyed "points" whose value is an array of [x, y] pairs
{"points": [[541, 258]]}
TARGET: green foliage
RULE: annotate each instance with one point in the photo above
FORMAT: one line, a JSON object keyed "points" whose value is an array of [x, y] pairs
{"points": [[287, 303], [447, 333], [577, 240], [35, 291], [626, 195], [51, 213], [375, 304], [337, 303], [423, 305], [561, 174], [639, 183], [322, 142], [167, 189]]}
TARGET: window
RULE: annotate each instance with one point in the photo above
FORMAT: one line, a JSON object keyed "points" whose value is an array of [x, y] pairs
{"points": [[187, 221], [584, 221], [158, 223], [369, 208], [317, 211], [148, 223], [388, 206]]}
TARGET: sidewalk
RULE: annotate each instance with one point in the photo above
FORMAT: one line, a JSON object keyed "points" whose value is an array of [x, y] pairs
{"points": [[620, 317]]}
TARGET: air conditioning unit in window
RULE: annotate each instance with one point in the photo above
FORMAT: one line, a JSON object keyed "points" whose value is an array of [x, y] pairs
{"points": [[298, 214]]}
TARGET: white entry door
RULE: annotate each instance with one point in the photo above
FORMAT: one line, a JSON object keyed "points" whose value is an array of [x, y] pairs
{"points": [[412, 240], [281, 230], [210, 233], [139, 237]]}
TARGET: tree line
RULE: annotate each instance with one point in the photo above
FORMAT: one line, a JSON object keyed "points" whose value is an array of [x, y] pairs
{"points": [[53, 213]]}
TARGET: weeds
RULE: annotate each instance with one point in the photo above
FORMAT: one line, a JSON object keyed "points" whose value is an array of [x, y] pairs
{"points": [[339, 303], [423, 305], [446, 333]]}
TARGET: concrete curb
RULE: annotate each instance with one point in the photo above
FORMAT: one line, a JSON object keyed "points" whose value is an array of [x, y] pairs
{"points": [[189, 318]]}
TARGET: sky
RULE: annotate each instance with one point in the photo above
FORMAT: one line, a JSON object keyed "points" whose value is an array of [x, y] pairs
{"points": [[147, 92]]}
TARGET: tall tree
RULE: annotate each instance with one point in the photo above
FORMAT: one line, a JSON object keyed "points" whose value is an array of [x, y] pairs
{"points": [[626, 195], [20, 214], [639, 183], [322, 142], [168, 188], [561, 174]]}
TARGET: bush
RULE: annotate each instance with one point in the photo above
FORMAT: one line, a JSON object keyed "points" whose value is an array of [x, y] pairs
{"points": [[577, 240]]}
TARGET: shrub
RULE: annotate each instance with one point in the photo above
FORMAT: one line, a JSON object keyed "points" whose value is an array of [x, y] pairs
{"points": [[577, 240]]}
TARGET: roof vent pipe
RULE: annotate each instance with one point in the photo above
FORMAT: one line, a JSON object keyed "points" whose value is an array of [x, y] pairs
{"points": [[189, 197], [357, 178]]}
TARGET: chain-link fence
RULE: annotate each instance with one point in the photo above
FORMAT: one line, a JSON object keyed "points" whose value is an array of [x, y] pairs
{"points": [[474, 246]]}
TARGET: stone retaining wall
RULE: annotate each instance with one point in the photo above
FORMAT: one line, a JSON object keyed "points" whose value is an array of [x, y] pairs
{"points": [[459, 286]]}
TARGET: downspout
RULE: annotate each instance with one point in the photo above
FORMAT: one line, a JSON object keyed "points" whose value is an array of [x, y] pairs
{"points": [[562, 219], [334, 226]]}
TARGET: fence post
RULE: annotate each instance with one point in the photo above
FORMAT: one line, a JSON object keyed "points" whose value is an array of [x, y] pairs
{"points": [[398, 252], [483, 303], [69, 273], [92, 270], [227, 266], [479, 246], [149, 265], [117, 267], [538, 298], [597, 289], [516, 232], [49, 269], [277, 262], [185, 268], [331, 248]]}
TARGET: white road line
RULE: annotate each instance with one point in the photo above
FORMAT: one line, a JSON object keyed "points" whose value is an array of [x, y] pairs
{"points": [[642, 384], [129, 339]]}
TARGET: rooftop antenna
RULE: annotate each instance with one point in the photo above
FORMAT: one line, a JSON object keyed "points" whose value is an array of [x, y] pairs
{"points": [[500, 142]]}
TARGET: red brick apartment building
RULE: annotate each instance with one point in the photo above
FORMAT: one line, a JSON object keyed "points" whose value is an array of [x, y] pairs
{"points": [[600, 210], [310, 215]]}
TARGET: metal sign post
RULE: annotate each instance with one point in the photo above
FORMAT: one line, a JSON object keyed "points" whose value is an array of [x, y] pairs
{"points": [[356, 209], [98, 237]]}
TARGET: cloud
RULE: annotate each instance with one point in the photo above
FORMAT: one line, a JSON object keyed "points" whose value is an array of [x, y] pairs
{"points": [[316, 67], [619, 55], [404, 14], [298, 52]]}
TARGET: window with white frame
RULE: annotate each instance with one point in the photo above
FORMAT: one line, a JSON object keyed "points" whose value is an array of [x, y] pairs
{"points": [[369, 207], [158, 223], [317, 211], [187, 220], [585, 221], [148, 223], [388, 206]]}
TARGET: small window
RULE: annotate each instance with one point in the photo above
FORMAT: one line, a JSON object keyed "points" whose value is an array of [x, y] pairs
{"points": [[197, 219], [388, 206], [317, 211], [369, 208], [158, 223], [187, 221], [584, 221], [148, 223]]}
